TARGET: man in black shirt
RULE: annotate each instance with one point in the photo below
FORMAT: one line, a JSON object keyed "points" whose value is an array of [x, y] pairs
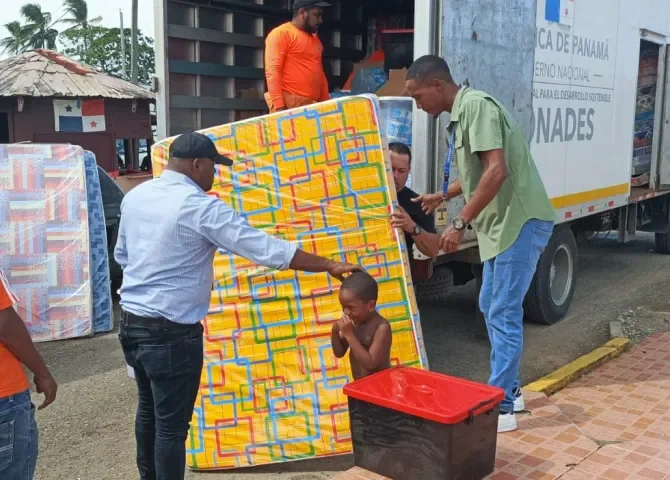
{"points": [[419, 228]]}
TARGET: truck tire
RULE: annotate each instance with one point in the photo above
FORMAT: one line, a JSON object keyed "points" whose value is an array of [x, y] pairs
{"points": [[553, 284], [435, 290], [663, 243]]}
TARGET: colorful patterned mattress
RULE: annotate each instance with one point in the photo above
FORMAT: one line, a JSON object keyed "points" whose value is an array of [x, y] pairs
{"points": [[103, 320], [271, 387], [44, 243]]}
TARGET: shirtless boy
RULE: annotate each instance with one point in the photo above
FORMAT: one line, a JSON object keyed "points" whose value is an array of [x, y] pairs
{"points": [[361, 329]]}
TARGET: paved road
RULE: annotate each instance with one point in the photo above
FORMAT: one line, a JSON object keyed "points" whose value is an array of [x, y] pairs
{"points": [[88, 433], [612, 279]]}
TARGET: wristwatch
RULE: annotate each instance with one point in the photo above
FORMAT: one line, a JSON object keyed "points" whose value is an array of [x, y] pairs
{"points": [[417, 231], [459, 224]]}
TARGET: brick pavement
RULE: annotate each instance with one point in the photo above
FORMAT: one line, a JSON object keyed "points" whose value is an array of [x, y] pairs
{"points": [[612, 424]]}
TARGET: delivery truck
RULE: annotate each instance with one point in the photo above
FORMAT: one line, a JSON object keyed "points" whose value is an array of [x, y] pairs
{"points": [[587, 82]]}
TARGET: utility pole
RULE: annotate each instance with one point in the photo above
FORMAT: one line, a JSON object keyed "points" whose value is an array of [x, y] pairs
{"points": [[133, 45], [133, 75], [123, 48]]}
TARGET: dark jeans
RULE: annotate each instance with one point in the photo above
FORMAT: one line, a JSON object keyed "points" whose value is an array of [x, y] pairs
{"points": [[167, 359]]}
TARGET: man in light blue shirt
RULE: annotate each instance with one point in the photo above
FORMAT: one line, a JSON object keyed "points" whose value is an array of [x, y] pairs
{"points": [[169, 232]]}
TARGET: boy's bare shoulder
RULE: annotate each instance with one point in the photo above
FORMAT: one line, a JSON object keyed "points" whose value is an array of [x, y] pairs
{"points": [[381, 322]]}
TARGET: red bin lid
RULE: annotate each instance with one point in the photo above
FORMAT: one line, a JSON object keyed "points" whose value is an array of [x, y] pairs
{"points": [[425, 394]]}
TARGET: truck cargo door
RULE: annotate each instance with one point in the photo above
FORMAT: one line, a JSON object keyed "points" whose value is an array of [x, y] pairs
{"points": [[662, 177]]}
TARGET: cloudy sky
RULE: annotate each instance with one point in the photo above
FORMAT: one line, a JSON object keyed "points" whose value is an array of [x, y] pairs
{"points": [[107, 9]]}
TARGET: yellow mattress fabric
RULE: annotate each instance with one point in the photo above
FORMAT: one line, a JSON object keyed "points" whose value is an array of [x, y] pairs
{"points": [[271, 388]]}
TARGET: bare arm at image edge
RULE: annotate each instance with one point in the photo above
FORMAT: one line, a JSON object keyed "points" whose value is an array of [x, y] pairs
{"points": [[15, 337]]}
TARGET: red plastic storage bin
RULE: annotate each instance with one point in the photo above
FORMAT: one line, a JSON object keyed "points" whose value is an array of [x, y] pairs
{"points": [[410, 424]]}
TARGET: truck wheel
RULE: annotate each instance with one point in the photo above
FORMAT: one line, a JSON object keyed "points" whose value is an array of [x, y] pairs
{"points": [[662, 243], [435, 290], [553, 284]]}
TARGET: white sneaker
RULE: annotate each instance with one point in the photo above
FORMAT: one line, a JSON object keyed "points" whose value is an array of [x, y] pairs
{"points": [[519, 404], [506, 422]]}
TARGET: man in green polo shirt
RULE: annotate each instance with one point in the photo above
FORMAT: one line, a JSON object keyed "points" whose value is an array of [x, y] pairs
{"points": [[506, 203]]}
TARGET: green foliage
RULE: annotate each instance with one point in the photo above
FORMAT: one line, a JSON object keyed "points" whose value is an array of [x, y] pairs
{"points": [[78, 11], [39, 28], [84, 39], [17, 40], [101, 47]]}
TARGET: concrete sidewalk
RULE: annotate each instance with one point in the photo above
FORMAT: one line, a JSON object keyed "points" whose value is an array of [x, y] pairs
{"points": [[613, 424]]}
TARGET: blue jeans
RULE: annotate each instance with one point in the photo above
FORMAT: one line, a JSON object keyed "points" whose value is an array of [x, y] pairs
{"points": [[18, 437], [506, 280], [167, 358]]}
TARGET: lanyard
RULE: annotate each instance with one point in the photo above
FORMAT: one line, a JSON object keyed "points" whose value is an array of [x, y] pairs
{"points": [[447, 163]]}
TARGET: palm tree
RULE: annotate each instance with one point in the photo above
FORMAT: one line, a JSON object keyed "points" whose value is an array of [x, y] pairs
{"points": [[39, 27], [78, 11], [17, 41]]}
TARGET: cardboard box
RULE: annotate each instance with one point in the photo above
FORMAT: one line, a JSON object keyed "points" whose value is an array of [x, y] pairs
{"points": [[395, 87], [127, 182]]}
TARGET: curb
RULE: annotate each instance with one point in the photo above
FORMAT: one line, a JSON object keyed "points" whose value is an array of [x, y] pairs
{"points": [[560, 378], [616, 329]]}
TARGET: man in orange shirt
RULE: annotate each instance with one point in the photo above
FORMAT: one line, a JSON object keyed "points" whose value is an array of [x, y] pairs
{"points": [[293, 66], [18, 429]]}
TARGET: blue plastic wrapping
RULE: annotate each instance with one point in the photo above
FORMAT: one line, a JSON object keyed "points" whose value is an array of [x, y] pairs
{"points": [[100, 287], [396, 118], [396, 121], [368, 80], [340, 94]]}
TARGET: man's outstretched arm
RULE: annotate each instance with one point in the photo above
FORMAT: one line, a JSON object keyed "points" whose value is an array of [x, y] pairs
{"points": [[430, 201], [225, 228]]}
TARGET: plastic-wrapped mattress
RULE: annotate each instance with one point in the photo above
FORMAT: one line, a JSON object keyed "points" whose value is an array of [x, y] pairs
{"points": [[271, 387], [44, 238], [101, 291]]}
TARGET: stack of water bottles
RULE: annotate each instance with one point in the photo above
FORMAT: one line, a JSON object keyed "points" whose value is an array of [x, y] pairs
{"points": [[396, 121]]}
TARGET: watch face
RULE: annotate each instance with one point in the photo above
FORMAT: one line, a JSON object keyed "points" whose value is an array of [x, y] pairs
{"points": [[458, 224], [417, 230]]}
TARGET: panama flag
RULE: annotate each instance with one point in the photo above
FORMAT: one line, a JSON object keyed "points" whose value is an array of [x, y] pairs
{"points": [[80, 115], [559, 11]]}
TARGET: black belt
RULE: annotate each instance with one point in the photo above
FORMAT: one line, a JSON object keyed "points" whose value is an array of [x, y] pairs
{"points": [[132, 319]]}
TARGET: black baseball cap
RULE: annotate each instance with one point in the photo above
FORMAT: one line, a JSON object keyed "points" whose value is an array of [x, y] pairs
{"points": [[196, 145], [309, 3]]}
